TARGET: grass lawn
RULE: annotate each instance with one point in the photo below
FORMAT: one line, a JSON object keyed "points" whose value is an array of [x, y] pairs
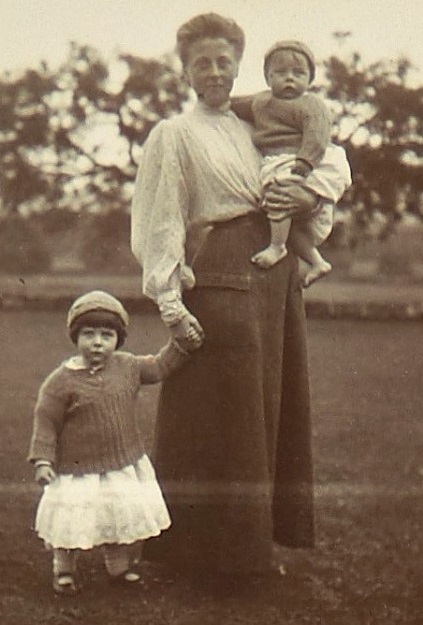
{"points": [[367, 567]]}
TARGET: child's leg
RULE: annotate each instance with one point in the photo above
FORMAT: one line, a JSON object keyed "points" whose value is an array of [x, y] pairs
{"points": [[64, 569], [279, 232], [117, 561], [303, 245]]}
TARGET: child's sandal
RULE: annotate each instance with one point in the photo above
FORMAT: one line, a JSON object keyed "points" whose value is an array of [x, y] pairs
{"points": [[64, 584], [128, 578]]}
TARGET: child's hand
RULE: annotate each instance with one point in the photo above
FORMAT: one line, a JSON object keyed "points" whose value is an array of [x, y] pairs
{"points": [[189, 333], [44, 474]]}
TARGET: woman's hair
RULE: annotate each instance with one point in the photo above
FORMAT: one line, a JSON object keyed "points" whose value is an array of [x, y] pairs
{"points": [[209, 25], [98, 319]]}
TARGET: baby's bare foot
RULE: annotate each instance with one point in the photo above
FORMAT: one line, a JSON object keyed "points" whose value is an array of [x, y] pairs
{"points": [[316, 273], [269, 256]]}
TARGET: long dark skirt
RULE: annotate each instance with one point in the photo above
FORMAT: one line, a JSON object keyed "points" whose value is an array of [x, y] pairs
{"points": [[233, 440]]}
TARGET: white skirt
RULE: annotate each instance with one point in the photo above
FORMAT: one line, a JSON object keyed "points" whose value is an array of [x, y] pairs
{"points": [[81, 512]]}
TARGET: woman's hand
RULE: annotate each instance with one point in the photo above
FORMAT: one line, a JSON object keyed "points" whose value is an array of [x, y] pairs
{"points": [[188, 332], [292, 197], [44, 474]]}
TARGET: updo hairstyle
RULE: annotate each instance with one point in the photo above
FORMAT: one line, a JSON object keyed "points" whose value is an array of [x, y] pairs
{"points": [[209, 25]]}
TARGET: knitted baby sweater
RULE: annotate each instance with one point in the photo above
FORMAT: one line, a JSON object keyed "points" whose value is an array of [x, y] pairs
{"points": [[86, 422], [301, 125]]}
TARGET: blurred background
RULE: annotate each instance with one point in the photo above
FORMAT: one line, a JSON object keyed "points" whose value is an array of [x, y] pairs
{"points": [[83, 83]]}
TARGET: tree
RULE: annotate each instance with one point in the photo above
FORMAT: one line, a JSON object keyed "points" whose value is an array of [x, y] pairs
{"points": [[379, 118], [71, 138]]}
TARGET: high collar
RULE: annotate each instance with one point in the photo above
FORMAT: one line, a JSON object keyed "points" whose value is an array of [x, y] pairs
{"points": [[203, 107]]}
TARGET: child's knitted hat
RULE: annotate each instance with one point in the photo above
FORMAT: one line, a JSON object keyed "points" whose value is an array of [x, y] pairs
{"points": [[97, 308], [294, 46]]}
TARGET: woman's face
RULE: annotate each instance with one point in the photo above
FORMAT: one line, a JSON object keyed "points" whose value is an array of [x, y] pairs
{"points": [[211, 69]]}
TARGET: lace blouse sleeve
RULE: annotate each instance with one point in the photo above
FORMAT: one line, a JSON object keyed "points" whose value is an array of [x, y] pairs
{"points": [[159, 213]]}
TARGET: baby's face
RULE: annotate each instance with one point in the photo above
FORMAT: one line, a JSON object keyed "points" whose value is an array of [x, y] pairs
{"points": [[288, 74]]}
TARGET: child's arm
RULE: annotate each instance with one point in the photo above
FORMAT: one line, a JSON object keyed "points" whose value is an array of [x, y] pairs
{"points": [[48, 420], [316, 120], [44, 472], [242, 106], [154, 368]]}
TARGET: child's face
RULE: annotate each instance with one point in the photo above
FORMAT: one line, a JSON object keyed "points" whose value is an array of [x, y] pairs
{"points": [[96, 345], [288, 74]]}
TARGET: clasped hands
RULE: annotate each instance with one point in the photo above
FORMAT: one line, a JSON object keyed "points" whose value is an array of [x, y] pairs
{"points": [[188, 333], [290, 197]]}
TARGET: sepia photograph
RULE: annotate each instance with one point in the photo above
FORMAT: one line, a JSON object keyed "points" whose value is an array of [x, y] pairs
{"points": [[211, 308]]}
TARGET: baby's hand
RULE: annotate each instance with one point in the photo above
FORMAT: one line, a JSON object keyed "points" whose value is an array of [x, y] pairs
{"points": [[44, 474], [301, 168]]}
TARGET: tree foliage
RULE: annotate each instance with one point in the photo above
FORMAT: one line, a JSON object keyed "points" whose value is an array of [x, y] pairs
{"points": [[379, 119], [70, 138]]}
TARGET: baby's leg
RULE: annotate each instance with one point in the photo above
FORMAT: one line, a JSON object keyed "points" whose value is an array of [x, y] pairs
{"points": [[273, 253], [275, 169], [303, 246]]}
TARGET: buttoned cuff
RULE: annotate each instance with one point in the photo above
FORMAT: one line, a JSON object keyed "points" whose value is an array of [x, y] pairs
{"points": [[172, 310]]}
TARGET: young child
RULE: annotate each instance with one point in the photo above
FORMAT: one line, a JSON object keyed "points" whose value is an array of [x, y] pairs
{"points": [[292, 130], [87, 448]]}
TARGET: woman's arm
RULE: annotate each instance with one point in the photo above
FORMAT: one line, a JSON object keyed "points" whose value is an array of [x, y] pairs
{"points": [[159, 213], [159, 216]]}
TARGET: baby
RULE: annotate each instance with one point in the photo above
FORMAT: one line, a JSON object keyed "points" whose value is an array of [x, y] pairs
{"points": [[292, 131]]}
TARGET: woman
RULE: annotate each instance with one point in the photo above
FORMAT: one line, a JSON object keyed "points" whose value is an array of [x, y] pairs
{"points": [[233, 429]]}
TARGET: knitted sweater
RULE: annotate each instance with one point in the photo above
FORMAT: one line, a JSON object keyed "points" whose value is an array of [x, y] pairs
{"points": [[87, 422], [301, 125]]}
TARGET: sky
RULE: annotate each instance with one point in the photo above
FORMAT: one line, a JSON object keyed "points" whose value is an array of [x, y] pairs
{"points": [[35, 30]]}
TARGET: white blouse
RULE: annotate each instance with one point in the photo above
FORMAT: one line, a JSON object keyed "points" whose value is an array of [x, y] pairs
{"points": [[197, 169]]}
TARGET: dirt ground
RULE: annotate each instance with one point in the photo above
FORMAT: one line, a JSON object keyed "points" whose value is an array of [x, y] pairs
{"points": [[367, 567]]}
